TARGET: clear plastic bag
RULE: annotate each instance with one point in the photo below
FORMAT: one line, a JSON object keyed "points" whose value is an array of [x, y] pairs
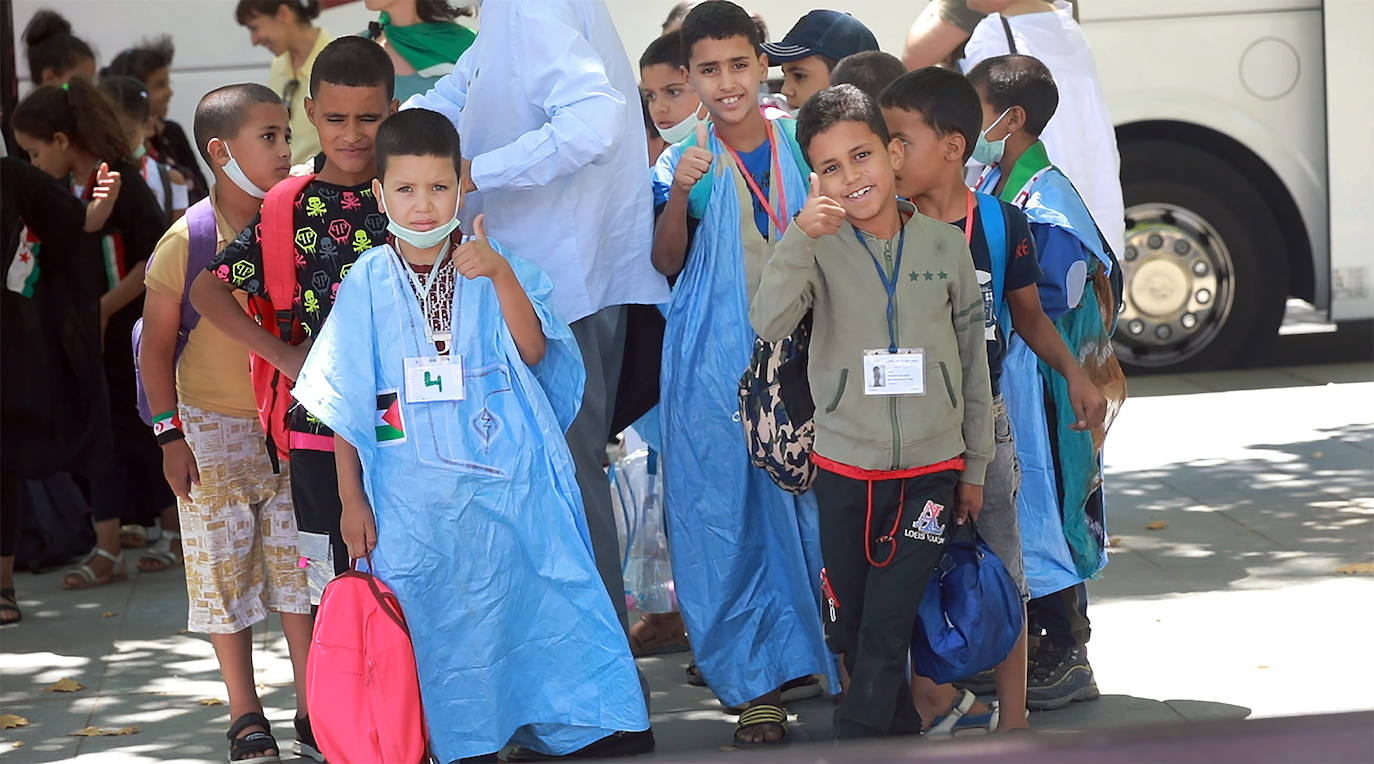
{"points": [[637, 494]]}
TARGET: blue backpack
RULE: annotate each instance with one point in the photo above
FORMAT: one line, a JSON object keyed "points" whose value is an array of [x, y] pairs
{"points": [[970, 615]]}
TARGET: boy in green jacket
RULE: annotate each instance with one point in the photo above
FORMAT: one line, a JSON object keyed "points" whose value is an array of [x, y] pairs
{"points": [[899, 368]]}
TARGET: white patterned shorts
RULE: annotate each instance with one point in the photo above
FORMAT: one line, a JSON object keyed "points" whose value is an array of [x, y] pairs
{"points": [[238, 532]]}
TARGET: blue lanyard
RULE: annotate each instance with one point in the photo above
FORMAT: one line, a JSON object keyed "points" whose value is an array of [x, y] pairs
{"points": [[889, 284]]}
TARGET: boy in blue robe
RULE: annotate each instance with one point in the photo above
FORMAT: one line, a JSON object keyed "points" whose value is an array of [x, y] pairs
{"points": [[746, 554], [1060, 504], [449, 382]]}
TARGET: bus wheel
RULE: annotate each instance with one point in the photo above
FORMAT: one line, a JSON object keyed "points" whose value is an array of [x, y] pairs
{"points": [[1205, 277]]}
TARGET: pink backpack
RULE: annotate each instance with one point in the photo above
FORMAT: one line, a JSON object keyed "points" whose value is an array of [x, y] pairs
{"points": [[364, 690]]}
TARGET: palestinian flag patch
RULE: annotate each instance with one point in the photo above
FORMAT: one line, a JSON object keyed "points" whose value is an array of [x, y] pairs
{"points": [[391, 428], [24, 270]]}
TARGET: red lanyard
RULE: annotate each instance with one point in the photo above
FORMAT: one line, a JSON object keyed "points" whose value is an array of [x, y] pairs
{"points": [[968, 220], [777, 180]]}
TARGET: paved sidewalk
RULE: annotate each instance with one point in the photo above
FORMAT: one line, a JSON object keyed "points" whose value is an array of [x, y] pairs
{"points": [[1263, 479]]}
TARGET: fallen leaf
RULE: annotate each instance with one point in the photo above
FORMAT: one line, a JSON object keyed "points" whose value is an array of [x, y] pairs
{"points": [[1157, 525], [64, 685], [1357, 568], [1114, 542], [210, 702], [1318, 454], [101, 732], [10, 721], [1261, 667], [183, 631], [108, 614]]}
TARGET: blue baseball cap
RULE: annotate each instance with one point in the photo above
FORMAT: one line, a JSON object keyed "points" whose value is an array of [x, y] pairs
{"points": [[826, 33]]}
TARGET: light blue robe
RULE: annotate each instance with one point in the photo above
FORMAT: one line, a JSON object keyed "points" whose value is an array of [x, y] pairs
{"points": [[480, 526], [1061, 545], [746, 554]]}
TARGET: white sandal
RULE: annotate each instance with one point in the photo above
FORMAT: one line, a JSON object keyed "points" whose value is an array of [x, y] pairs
{"points": [[161, 551], [88, 577]]}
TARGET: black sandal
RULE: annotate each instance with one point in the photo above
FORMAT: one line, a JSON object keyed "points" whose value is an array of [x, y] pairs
{"points": [[240, 748], [304, 745], [9, 603]]}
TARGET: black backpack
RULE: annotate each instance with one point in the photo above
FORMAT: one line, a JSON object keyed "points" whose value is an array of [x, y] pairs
{"points": [[54, 524]]}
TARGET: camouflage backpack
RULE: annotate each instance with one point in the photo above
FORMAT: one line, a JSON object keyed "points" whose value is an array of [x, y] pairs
{"points": [[777, 410]]}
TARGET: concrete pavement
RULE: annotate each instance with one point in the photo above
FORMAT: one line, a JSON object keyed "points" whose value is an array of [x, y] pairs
{"points": [[1235, 607]]}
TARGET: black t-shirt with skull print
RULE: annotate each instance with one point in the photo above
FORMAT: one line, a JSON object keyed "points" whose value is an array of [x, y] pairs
{"points": [[333, 225]]}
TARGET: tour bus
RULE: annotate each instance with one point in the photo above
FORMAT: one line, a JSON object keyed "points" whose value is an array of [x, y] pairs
{"points": [[1243, 129]]}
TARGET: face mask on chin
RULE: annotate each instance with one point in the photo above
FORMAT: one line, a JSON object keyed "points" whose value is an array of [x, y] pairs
{"points": [[422, 239], [235, 173], [682, 130]]}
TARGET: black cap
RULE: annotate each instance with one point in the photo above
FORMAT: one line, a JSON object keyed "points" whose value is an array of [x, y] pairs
{"points": [[827, 33]]}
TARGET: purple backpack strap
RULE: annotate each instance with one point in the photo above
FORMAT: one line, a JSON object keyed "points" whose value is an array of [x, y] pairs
{"points": [[200, 221]]}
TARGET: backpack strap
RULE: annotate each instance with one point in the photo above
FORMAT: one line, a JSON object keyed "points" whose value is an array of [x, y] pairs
{"points": [[994, 222], [204, 241], [278, 255]]}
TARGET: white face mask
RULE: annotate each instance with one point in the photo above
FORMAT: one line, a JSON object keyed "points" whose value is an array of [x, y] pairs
{"points": [[422, 239], [682, 130], [236, 174]]}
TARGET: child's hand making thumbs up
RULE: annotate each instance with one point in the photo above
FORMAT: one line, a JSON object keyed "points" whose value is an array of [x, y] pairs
{"points": [[694, 163], [477, 258], [822, 215]]}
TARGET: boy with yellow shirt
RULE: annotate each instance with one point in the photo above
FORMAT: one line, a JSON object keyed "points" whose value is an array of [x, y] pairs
{"points": [[237, 522]]}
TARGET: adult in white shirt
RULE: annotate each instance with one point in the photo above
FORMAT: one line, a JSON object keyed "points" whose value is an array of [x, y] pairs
{"points": [[547, 108], [1080, 137]]}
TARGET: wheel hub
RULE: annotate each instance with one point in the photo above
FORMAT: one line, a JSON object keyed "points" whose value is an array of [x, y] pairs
{"points": [[1177, 273]]}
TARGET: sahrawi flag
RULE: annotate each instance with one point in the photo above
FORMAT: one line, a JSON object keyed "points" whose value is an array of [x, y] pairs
{"points": [[390, 428], [23, 272]]}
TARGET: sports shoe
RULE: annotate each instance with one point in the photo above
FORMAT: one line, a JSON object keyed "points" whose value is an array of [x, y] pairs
{"points": [[1060, 676]]}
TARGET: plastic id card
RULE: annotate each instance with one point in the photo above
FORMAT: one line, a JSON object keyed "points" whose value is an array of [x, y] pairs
{"points": [[895, 373], [433, 379]]}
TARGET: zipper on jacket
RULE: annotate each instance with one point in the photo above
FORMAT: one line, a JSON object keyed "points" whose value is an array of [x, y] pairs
{"points": [[896, 336], [949, 388], [839, 392]]}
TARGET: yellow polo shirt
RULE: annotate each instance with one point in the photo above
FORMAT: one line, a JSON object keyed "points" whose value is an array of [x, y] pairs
{"points": [[213, 371], [305, 143]]}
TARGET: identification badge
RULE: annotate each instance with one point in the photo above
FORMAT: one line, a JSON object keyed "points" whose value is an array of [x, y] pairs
{"points": [[434, 379], [899, 373]]}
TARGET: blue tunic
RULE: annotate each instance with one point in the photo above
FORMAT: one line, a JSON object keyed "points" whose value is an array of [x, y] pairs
{"points": [[1062, 543], [480, 526], [746, 554]]}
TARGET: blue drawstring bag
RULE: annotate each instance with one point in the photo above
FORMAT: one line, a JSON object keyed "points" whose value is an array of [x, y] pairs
{"points": [[970, 615]]}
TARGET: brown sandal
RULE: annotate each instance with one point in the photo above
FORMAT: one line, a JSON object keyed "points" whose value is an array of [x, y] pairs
{"points": [[658, 634]]}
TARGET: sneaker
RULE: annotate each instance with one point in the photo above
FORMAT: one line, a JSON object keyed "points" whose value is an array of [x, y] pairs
{"points": [[1059, 677]]}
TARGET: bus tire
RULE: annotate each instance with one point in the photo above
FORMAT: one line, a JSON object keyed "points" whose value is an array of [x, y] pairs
{"points": [[1205, 272]]}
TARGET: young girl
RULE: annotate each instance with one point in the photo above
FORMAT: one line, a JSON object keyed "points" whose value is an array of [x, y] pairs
{"points": [[54, 54], [130, 99], [51, 389], [72, 133], [448, 388], [422, 38], [151, 64], [286, 28]]}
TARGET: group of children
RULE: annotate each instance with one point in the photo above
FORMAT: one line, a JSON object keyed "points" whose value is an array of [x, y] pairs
{"points": [[928, 380], [433, 379]]}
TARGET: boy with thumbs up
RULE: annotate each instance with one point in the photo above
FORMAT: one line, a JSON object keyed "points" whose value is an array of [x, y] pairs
{"points": [[448, 380], [896, 302], [746, 553]]}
